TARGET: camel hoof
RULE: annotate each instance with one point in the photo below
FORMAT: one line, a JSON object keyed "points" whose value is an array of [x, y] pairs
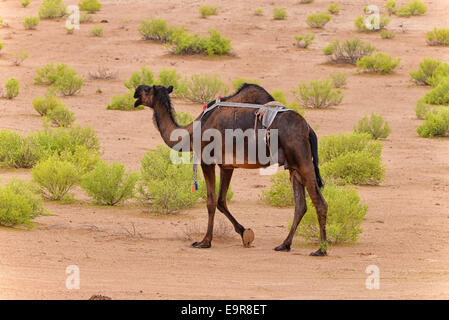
{"points": [[201, 245], [247, 237], [282, 247], [319, 253]]}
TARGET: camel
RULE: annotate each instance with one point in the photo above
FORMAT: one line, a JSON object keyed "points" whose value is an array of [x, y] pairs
{"points": [[297, 150]]}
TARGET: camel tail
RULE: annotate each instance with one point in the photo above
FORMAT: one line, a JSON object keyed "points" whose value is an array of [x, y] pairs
{"points": [[314, 146]]}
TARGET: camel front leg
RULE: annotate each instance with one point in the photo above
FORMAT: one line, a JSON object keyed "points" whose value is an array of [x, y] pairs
{"points": [[209, 177]]}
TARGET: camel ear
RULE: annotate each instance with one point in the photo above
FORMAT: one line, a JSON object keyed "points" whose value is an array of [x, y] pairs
{"points": [[170, 89]]}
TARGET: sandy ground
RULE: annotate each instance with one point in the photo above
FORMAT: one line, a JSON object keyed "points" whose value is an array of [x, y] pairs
{"points": [[406, 230]]}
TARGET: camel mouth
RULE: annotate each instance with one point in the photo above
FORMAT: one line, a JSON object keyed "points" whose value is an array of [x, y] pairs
{"points": [[137, 103]]}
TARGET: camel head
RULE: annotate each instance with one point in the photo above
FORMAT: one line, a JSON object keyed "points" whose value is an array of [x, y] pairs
{"points": [[147, 95]]}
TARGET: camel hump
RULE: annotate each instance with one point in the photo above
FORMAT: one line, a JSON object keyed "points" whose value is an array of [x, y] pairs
{"points": [[274, 104]]}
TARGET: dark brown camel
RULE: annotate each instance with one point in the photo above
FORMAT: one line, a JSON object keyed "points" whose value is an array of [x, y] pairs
{"points": [[297, 148]]}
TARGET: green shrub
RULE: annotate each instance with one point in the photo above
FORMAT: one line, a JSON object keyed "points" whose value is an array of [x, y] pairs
{"points": [[333, 146], [144, 77], [378, 62], [403, 11], [45, 104], [85, 17], [305, 1], [61, 116], [18, 204], [237, 83], [123, 102], [49, 73], [51, 9], [68, 83], [438, 37], [82, 158], [165, 186], [358, 167], [1, 46], [338, 79], [206, 11], [258, 12], [31, 22], [185, 43], [318, 20], [155, 29], [70, 30], [391, 6], [280, 194], [422, 108], [279, 96], [435, 124], [387, 34], [279, 14], [183, 118], [18, 57], [441, 72], [17, 151], [25, 3], [417, 7], [303, 41], [361, 26], [202, 88], [349, 51], [109, 184], [374, 126], [90, 6], [169, 77], [55, 177], [440, 94], [12, 88], [425, 71], [333, 8], [346, 212], [97, 31], [318, 94]]}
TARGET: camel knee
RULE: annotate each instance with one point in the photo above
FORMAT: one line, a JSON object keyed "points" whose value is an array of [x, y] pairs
{"points": [[221, 204]]}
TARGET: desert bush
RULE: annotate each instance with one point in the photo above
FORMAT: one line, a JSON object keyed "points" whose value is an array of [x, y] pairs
{"points": [[1, 46], [279, 14], [438, 37], [31, 22], [155, 29], [45, 104], [61, 116], [202, 88], [305, 1], [318, 94], [123, 102], [425, 71], [318, 20], [440, 94], [237, 83], [349, 51], [391, 6], [51, 9], [335, 145], [165, 186], [346, 212], [17, 151], [258, 12], [85, 17], [206, 11], [25, 3], [19, 205], [387, 34], [18, 57], [358, 167], [361, 25], [279, 96], [183, 118], [103, 73], [90, 6], [169, 77], [69, 30], [49, 73], [12, 88], [435, 124], [82, 158], [303, 41], [61, 78], [416, 7], [403, 11], [109, 184], [338, 79], [68, 84], [441, 72], [374, 126], [422, 108], [333, 8], [97, 31], [185, 43], [280, 193], [144, 77], [55, 177], [378, 62]]}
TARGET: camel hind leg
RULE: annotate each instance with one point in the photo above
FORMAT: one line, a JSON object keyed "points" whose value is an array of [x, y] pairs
{"points": [[225, 179]]}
